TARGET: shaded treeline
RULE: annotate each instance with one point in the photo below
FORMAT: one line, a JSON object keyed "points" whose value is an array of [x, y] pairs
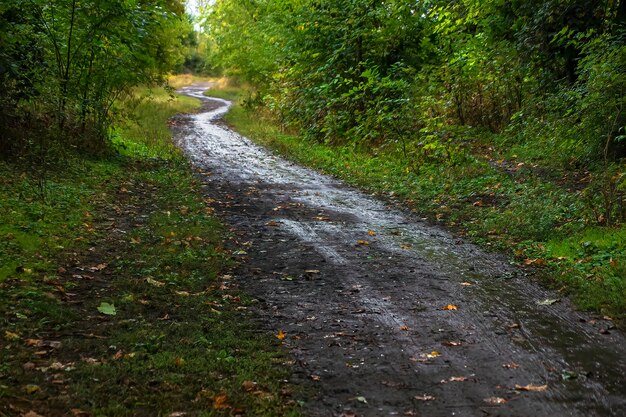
{"points": [[63, 63], [428, 76]]}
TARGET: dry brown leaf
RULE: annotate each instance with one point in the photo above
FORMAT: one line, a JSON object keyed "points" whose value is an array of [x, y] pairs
{"points": [[33, 342], [315, 377], [457, 379], [272, 223], [248, 386], [531, 388], [404, 328], [406, 246]]}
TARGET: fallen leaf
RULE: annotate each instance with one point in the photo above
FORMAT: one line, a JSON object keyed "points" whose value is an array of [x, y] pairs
{"points": [[280, 335], [406, 246], [33, 342], [31, 388], [424, 397], [466, 284], [511, 365], [431, 355], [10, 335], [248, 385], [179, 361], [371, 232], [361, 400], [450, 307], [404, 327], [154, 282], [312, 271], [315, 377], [220, 402], [548, 301], [531, 388], [362, 242], [272, 223], [108, 309], [457, 379], [494, 400], [98, 267], [536, 262]]}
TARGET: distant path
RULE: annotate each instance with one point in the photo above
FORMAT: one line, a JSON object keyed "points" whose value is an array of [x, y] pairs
{"points": [[360, 289]]}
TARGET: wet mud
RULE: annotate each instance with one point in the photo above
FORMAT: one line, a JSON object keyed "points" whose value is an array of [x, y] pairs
{"points": [[387, 315]]}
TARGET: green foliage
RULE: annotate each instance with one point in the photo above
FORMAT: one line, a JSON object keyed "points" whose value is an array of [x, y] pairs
{"points": [[64, 63]]}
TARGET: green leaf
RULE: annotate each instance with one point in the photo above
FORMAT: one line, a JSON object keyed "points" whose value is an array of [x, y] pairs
{"points": [[108, 309]]}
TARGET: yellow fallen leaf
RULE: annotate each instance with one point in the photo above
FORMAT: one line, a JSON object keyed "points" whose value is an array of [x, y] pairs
{"points": [[450, 307], [31, 388], [371, 232], [431, 355], [531, 388], [154, 282], [11, 336], [280, 335], [362, 242]]}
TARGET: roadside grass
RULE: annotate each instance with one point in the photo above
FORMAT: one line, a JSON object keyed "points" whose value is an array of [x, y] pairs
{"points": [[115, 296], [535, 219]]}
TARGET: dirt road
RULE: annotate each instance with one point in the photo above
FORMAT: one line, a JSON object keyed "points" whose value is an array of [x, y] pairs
{"points": [[388, 315]]}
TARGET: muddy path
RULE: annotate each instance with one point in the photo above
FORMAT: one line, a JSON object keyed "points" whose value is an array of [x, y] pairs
{"points": [[387, 315]]}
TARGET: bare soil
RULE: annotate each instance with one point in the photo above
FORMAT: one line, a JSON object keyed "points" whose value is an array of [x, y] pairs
{"points": [[385, 314]]}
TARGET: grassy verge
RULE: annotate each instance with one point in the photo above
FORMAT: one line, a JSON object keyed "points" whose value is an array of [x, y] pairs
{"points": [[115, 298], [538, 221]]}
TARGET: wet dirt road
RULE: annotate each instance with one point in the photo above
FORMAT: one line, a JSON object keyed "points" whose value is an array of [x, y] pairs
{"points": [[387, 315]]}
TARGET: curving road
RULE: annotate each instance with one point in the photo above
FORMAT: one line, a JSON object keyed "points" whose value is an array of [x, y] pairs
{"points": [[387, 315]]}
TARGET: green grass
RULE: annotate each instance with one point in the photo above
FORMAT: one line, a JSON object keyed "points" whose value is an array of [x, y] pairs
{"points": [[532, 218], [182, 338]]}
